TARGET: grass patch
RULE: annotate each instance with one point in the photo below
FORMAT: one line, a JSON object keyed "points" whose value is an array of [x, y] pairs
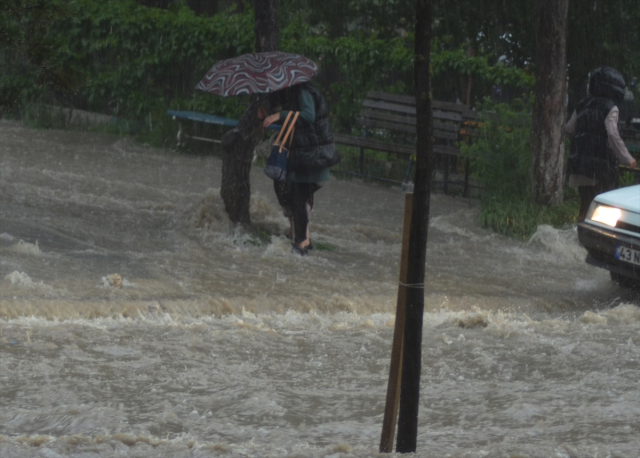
{"points": [[520, 218], [501, 162], [259, 236], [324, 246]]}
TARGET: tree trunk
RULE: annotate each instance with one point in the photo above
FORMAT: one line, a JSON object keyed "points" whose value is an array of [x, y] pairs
{"points": [[412, 347], [239, 143], [237, 152], [549, 112], [266, 25]]}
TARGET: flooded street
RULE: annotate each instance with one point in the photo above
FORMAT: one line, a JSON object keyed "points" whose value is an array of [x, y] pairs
{"points": [[220, 342]]}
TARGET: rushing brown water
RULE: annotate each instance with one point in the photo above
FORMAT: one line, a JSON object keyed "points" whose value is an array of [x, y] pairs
{"points": [[213, 342]]}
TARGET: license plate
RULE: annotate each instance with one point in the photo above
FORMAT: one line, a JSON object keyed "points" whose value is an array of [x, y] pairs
{"points": [[628, 255]]}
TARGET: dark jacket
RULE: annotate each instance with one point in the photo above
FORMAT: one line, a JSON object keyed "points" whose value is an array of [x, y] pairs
{"points": [[591, 155], [312, 147]]}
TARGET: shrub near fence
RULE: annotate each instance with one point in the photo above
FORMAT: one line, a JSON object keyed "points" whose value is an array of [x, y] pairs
{"points": [[501, 162], [135, 58], [135, 62]]}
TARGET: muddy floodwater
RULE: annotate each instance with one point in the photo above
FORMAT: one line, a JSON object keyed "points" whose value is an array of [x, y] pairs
{"points": [[136, 321]]}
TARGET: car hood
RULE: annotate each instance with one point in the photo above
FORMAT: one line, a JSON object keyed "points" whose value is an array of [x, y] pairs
{"points": [[625, 198]]}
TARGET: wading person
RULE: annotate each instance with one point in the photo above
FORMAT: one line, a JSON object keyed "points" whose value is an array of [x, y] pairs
{"points": [[596, 147], [311, 154]]}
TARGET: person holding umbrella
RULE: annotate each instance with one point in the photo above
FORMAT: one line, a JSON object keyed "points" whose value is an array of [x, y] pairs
{"points": [[285, 79], [312, 153]]}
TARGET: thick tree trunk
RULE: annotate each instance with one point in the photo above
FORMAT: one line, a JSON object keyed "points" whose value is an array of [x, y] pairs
{"points": [[266, 25], [238, 144], [549, 112], [237, 152], [412, 347]]}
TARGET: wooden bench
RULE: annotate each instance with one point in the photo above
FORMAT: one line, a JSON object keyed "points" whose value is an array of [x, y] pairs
{"points": [[389, 125]]}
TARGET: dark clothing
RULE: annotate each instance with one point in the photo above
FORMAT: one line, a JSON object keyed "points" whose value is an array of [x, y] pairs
{"points": [[311, 153], [596, 148], [283, 193], [301, 196], [310, 135], [297, 200], [591, 155], [306, 106], [312, 148]]}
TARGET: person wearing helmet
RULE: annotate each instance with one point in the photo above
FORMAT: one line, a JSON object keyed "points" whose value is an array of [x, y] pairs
{"points": [[596, 147]]}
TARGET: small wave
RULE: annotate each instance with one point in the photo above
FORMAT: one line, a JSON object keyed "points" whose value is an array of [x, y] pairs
{"points": [[7, 237], [563, 242], [210, 215], [22, 247], [461, 223], [622, 314], [22, 280]]}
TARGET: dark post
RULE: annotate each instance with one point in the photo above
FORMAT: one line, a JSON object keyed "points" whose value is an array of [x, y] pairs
{"points": [[238, 144], [412, 351]]}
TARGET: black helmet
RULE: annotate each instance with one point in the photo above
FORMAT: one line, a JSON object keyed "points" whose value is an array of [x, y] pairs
{"points": [[607, 82]]}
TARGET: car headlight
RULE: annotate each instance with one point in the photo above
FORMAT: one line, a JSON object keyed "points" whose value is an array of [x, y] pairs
{"points": [[604, 214]]}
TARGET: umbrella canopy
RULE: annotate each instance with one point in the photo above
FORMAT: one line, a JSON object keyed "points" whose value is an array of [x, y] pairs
{"points": [[257, 73]]}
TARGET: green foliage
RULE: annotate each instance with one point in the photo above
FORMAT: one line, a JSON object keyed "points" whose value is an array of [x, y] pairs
{"points": [[501, 162], [323, 246], [128, 60], [602, 33], [336, 18], [459, 61], [26, 49], [133, 62], [375, 164], [501, 153], [354, 64], [519, 218], [599, 33], [627, 179], [492, 29], [350, 66]]}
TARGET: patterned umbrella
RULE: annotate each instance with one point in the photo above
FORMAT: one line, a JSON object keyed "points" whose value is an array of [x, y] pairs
{"points": [[257, 73]]}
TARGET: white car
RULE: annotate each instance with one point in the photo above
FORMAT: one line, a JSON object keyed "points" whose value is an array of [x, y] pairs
{"points": [[611, 234]]}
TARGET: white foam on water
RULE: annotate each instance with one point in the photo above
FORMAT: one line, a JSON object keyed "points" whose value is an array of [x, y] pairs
{"points": [[461, 223], [22, 280], [561, 243], [31, 249]]}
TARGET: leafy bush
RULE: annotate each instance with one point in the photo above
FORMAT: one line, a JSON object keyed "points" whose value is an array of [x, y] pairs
{"points": [[501, 162], [519, 218], [501, 153], [120, 58]]}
